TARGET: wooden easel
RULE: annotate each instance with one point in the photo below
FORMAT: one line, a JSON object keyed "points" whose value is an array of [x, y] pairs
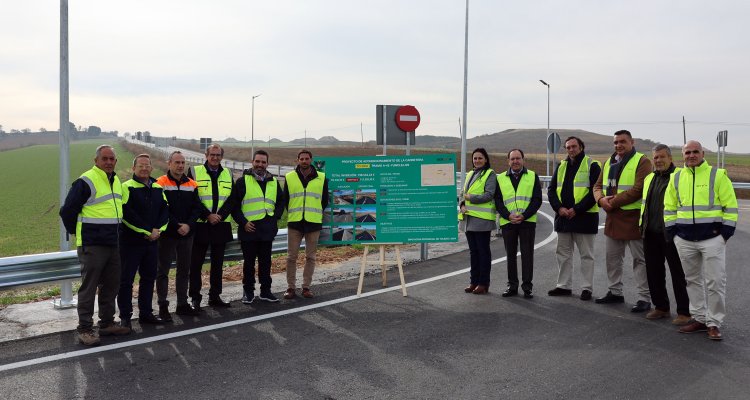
{"points": [[383, 263]]}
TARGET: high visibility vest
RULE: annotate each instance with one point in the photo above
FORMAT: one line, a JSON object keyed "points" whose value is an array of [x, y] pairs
{"points": [[627, 179], [305, 203], [517, 200], [205, 189], [104, 205], [699, 193], [255, 204], [581, 182], [482, 210]]}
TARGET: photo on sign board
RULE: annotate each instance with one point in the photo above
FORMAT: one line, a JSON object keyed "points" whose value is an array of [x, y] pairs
{"points": [[365, 233], [366, 214], [366, 196], [325, 233], [343, 197], [342, 215], [343, 233]]}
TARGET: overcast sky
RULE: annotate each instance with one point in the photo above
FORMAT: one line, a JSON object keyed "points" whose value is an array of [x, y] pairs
{"points": [[189, 68]]}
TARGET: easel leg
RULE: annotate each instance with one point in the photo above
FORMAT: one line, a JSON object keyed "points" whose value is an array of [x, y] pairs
{"points": [[362, 272], [401, 270], [383, 271]]}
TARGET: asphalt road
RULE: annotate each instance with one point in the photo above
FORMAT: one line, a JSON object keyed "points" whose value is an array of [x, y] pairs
{"points": [[436, 343]]}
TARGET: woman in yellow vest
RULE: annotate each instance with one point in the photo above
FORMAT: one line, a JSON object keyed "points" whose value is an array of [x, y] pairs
{"points": [[478, 219]]}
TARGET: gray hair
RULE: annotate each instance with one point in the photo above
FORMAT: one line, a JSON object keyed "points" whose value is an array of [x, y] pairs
{"points": [[102, 147], [660, 147], [172, 154]]}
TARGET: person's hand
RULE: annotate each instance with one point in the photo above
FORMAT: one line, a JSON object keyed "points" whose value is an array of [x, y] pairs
{"points": [[463, 209], [571, 213], [250, 227], [155, 233], [467, 197], [604, 203], [184, 229], [214, 219], [563, 212]]}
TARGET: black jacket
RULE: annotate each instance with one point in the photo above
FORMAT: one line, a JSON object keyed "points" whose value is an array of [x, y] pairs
{"points": [[266, 228], [583, 222], [184, 204], [143, 207]]}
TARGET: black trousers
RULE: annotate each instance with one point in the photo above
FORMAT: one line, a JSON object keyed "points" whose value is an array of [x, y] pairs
{"points": [[261, 251], [513, 234], [143, 260], [480, 257], [655, 251], [169, 248], [215, 276]]}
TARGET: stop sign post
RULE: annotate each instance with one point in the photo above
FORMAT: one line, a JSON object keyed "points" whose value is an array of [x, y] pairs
{"points": [[407, 119]]}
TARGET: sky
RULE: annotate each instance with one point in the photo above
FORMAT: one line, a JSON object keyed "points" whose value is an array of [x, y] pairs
{"points": [[190, 68]]}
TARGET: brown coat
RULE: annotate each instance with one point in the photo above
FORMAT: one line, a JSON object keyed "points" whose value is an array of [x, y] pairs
{"points": [[623, 224]]}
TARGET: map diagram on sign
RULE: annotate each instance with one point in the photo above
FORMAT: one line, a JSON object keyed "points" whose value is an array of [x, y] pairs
{"points": [[438, 174]]}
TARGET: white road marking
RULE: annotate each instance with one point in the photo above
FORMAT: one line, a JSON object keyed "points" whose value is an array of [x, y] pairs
{"points": [[243, 321]]}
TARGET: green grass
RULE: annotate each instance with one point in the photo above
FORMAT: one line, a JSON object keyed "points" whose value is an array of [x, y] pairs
{"points": [[30, 195]]}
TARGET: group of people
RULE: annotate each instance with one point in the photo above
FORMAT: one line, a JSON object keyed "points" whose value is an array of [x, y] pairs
{"points": [[681, 215], [143, 225]]}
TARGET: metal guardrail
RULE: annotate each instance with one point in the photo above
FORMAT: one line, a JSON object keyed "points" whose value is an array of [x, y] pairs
{"points": [[36, 269]]}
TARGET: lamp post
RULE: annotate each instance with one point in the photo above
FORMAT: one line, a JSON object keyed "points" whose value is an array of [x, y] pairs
{"points": [[252, 126], [545, 144]]}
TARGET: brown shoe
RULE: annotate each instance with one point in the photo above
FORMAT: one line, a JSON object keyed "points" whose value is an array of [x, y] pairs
{"points": [[694, 326], [114, 329], [89, 338], [657, 314], [481, 289], [289, 294], [681, 320], [307, 293], [470, 288], [714, 333]]}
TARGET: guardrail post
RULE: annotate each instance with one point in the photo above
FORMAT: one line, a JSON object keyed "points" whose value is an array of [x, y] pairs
{"points": [[423, 252], [66, 299]]}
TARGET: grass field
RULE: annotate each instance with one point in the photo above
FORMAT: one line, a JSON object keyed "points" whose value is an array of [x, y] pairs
{"points": [[30, 195]]}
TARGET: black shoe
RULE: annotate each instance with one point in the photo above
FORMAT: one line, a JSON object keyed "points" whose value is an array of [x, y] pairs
{"points": [[248, 297], [197, 306], [125, 322], [268, 296], [586, 295], [150, 319], [527, 294], [510, 292], [558, 291], [164, 314], [185, 309], [610, 298], [217, 302], [641, 306]]}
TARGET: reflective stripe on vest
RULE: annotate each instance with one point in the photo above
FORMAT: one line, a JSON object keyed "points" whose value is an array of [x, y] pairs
{"points": [[516, 201], [481, 210], [255, 204], [700, 206], [104, 205], [581, 181], [205, 188], [305, 203], [626, 180]]}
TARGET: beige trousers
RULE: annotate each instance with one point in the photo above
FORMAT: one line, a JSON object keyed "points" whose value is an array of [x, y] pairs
{"points": [[294, 239], [615, 250], [566, 244], [704, 263]]}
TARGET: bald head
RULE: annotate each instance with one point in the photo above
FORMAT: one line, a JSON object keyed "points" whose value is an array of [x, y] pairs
{"points": [[692, 153]]}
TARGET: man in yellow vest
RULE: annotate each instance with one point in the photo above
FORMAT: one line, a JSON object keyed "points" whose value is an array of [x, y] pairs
{"points": [[619, 190], [213, 230], [518, 199], [261, 204], [92, 213], [700, 213], [306, 192], [658, 246], [576, 217]]}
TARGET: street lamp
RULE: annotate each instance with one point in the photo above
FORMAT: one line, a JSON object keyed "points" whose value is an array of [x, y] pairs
{"points": [[545, 141], [252, 127]]}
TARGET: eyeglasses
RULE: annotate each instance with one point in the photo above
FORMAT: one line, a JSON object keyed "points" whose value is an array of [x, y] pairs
{"points": [[691, 152]]}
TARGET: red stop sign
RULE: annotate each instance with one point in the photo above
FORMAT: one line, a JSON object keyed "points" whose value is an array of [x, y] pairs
{"points": [[407, 118]]}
